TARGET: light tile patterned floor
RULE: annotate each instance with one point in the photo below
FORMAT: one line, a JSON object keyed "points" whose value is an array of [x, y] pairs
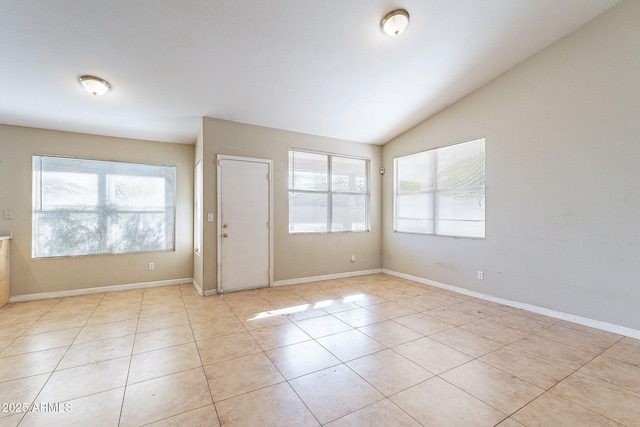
{"points": [[371, 350]]}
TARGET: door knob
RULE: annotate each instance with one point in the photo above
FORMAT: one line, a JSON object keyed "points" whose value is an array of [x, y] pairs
{"points": [[225, 235], [225, 226]]}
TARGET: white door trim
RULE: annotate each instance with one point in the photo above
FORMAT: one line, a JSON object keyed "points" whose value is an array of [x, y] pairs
{"points": [[269, 163]]}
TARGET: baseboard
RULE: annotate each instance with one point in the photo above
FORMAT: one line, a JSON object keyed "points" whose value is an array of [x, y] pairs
{"points": [[325, 277], [609, 327], [198, 288], [98, 290], [203, 293]]}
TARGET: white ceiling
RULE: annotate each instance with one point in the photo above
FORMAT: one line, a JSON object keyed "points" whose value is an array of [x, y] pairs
{"points": [[320, 67]]}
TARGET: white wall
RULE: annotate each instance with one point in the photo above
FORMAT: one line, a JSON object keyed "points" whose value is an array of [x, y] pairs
{"points": [[562, 136]]}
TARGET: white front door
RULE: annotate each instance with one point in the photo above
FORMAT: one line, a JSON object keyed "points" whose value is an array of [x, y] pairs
{"points": [[244, 218]]}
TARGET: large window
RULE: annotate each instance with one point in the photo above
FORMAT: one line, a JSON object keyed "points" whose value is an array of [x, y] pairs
{"points": [[90, 207], [441, 191], [327, 193]]}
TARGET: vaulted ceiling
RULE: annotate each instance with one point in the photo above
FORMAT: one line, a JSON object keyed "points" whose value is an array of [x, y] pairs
{"points": [[320, 67]]}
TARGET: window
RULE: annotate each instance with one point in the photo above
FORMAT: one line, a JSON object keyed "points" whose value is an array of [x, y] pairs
{"points": [[197, 208], [327, 193], [91, 207], [441, 191]]}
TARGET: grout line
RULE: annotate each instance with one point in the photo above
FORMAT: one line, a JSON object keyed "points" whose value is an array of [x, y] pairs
{"points": [[215, 408], [133, 344], [55, 369], [213, 403], [324, 290]]}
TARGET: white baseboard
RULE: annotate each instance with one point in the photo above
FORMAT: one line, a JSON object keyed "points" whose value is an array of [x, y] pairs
{"points": [[198, 288], [325, 277], [609, 327], [203, 293], [98, 290]]}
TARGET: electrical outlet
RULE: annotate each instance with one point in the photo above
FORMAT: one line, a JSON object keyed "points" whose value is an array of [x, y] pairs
{"points": [[152, 266], [353, 258], [7, 214], [480, 275]]}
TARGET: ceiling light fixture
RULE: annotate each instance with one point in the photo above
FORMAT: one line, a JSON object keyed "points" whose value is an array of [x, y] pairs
{"points": [[395, 22], [95, 85]]}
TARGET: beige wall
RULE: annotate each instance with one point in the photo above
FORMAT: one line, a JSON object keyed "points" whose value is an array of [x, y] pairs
{"points": [[296, 255], [563, 180], [18, 144], [563, 195]]}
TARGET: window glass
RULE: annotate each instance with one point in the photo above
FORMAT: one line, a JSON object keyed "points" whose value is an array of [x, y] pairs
{"points": [[90, 207], [308, 171], [441, 191], [416, 173], [308, 212], [348, 175], [349, 212], [415, 213], [327, 193]]}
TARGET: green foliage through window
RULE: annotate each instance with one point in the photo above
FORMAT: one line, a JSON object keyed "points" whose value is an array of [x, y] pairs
{"points": [[91, 207]]}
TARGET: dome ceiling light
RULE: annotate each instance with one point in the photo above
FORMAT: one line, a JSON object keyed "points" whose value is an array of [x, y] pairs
{"points": [[95, 85], [395, 22]]}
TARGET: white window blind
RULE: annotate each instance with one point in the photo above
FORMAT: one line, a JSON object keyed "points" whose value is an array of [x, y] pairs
{"points": [[327, 193], [90, 207], [441, 191]]}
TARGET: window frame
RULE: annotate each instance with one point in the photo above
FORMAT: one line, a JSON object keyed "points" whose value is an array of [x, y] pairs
{"points": [[36, 206], [436, 191], [330, 192], [197, 208]]}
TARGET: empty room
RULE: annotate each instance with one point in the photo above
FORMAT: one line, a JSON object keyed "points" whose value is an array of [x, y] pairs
{"points": [[320, 213]]}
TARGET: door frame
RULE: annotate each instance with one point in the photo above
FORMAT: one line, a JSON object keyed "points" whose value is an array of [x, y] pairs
{"points": [[269, 163]]}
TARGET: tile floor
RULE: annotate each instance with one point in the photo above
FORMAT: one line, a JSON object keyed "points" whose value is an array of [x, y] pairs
{"points": [[372, 350]]}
